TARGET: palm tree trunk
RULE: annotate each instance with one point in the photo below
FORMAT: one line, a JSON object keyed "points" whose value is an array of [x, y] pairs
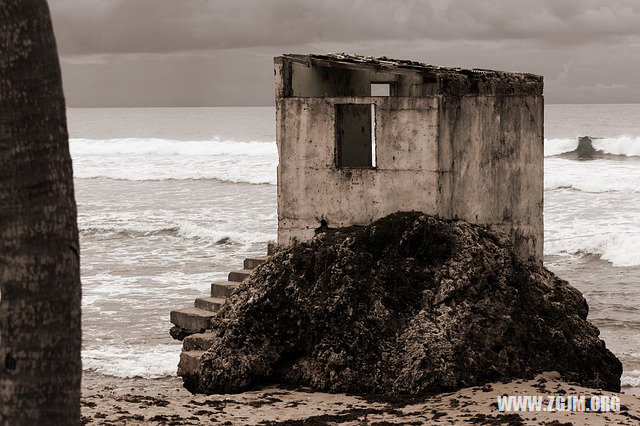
{"points": [[40, 368]]}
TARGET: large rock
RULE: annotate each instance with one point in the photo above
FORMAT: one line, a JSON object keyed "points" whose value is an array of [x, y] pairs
{"points": [[408, 305], [586, 151]]}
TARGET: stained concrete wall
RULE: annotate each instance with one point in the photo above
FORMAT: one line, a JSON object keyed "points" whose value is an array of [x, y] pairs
{"points": [[473, 156], [491, 158]]}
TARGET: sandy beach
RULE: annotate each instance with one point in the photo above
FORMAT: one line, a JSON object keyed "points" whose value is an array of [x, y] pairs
{"points": [[143, 401]]}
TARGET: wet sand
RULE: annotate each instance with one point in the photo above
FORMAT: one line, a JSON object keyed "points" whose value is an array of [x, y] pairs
{"points": [[143, 401]]}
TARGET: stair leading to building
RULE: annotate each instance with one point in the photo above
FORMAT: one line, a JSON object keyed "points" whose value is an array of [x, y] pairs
{"points": [[191, 324], [239, 276], [223, 289]]}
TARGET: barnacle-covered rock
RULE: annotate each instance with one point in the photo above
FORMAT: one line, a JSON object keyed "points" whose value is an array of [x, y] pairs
{"points": [[409, 305]]}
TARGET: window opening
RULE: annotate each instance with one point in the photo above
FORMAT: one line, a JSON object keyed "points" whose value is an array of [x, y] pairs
{"points": [[355, 135]]}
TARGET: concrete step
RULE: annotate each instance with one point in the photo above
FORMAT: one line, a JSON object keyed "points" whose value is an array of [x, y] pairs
{"points": [[198, 342], [239, 276], [223, 289], [189, 361], [212, 304], [192, 319], [254, 262]]}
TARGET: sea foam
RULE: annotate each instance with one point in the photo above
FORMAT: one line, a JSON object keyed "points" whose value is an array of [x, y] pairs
{"points": [[149, 362], [170, 147], [620, 248], [591, 176], [630, 379], [162, 159], [559, 146]]}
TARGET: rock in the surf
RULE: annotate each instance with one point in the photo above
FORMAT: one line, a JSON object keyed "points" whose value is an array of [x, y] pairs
{"points": [[409, 305], [585, 150]]}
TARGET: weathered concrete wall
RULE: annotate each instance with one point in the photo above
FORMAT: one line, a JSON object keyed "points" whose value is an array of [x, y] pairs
{"points": [[474, 152], [312, 189], [491, 159]]}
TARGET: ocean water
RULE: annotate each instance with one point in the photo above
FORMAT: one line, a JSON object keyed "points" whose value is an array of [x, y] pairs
{"points": [[171, 199]]}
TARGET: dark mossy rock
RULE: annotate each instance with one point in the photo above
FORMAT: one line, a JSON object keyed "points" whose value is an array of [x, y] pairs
{"points": [[409, 305], [585, 150]]}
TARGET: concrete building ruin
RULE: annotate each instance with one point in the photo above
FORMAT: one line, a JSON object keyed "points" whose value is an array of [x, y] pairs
{"points": [[360, 138]]}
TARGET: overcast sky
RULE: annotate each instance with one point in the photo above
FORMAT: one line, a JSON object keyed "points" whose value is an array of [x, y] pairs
{"points": [[219, 52]]}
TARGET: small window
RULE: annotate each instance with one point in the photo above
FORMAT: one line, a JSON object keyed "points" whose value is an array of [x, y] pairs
{"points": [[356, 135], [381, 89]]}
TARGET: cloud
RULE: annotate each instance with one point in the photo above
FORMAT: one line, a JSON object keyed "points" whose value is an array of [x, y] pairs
{"points": [[89, 27], [218, 52]]}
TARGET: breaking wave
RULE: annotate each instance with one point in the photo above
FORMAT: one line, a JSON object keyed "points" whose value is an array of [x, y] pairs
{"points": [[137, 146], [620, 247], [591, 176], [630, 379], [182, 229], [627, 146], [232, 161], [572, 229], [162, 159]]}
